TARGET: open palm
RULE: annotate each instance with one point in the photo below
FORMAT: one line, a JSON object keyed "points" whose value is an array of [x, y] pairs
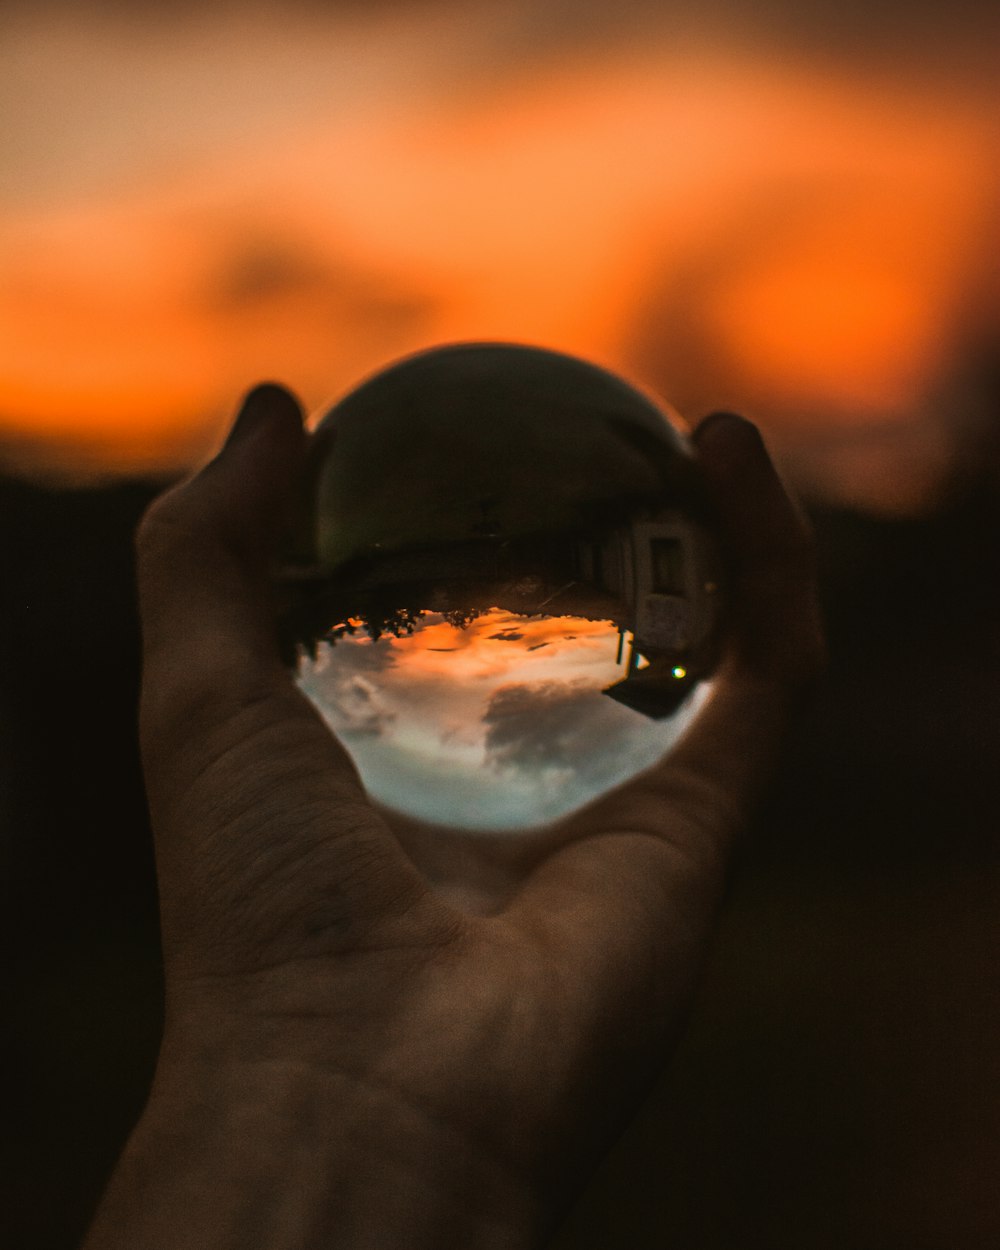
{"points": [[496, 1002]]}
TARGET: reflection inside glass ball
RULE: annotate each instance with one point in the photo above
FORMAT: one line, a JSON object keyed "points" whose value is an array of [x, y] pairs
{"points": [[504, 594]]}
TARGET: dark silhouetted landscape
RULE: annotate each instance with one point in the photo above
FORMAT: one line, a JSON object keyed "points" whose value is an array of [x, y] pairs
{"points": [[840, 1082]]}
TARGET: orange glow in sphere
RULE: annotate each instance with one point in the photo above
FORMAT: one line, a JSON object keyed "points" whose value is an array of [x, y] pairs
{"points": [[503, 593]]}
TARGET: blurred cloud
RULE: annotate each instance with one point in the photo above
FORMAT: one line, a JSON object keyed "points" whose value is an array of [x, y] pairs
{"points": [[733, 205], [361, 713], [504, 728], [566, 727], [348, 688]]}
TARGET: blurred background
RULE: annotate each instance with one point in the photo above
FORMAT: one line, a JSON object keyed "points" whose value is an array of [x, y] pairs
{"points": [[790, 210]]}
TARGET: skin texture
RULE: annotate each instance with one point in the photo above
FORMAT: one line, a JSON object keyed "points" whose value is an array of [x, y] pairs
{"points": [[380, 1034]]}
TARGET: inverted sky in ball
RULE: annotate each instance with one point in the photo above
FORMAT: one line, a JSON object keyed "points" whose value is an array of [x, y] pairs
{"points": [[503, 593]]}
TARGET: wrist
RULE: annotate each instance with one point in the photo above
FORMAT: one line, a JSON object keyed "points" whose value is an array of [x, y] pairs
{"points": [[279, 1156]]}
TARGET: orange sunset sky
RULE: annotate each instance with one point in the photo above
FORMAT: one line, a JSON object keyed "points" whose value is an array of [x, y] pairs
{"points": [[193, 203], [496, 725]]}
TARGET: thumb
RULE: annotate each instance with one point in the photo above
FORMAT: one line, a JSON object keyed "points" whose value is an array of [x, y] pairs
{"points": [[204, 552], [253, 800]]}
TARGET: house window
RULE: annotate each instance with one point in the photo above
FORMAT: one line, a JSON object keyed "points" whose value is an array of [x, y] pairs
{"points": [[666, 559]]}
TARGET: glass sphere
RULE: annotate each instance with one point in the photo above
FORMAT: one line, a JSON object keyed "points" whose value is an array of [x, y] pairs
{"points": [[504, 593]]}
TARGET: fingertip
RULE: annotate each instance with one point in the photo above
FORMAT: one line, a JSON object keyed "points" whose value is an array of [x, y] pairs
{"points": [[263, 454], [239, 494], [727, 428], [736, 458], [277, 398], [267, 406], [719, 414]]}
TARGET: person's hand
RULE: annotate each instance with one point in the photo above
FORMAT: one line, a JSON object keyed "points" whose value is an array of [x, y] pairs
{"points": [[378, 1034]]}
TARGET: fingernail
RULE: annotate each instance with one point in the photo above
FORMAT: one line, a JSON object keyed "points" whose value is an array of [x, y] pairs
{"points": [[747, 428], [259, 404]]}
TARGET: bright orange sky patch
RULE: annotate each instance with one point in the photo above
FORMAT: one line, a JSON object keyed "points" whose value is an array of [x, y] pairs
{"points": [[476, 653], [817, 238]]}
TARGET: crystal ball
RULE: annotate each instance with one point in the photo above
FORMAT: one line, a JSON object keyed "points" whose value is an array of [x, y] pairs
{"points": [[504, 592]]}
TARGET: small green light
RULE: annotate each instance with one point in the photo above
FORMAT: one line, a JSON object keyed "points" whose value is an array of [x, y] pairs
{"points": [[680, 672]]}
